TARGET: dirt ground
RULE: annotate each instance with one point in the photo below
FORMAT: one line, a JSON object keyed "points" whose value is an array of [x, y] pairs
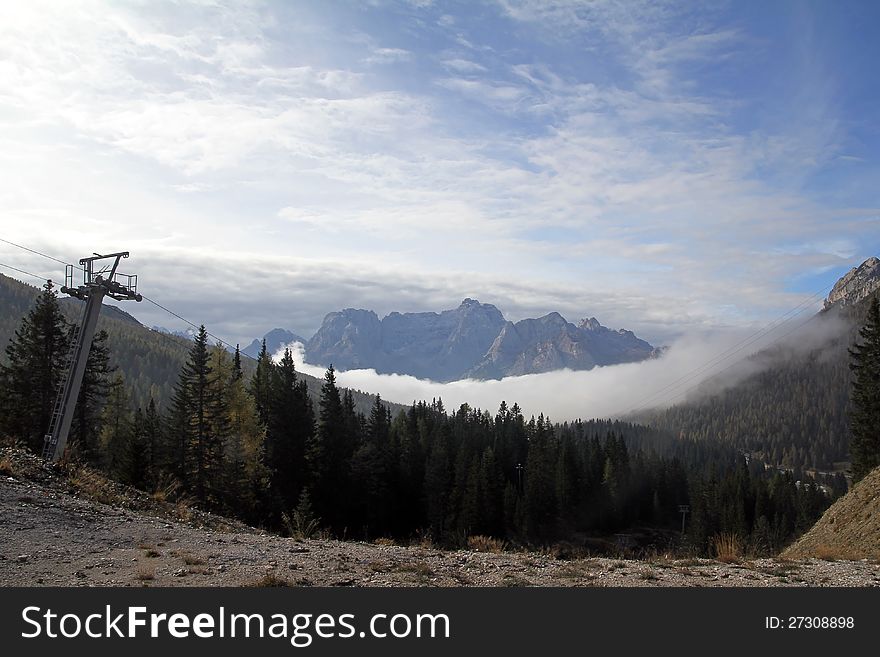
{"points": [[54, 533]]}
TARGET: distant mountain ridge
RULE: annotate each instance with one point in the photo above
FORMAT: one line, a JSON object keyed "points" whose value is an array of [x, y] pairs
{"points": [[471, 341], [275, 339]]}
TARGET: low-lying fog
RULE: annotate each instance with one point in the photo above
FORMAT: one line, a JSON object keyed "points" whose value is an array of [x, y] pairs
{"points": [[613, 391]]}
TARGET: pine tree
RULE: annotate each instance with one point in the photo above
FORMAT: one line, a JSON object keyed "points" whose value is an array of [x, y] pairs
{"points": [[93, 394], [220, 438], [290, 428], [117, 443], [29, 382], [236, 364], [438, 482], [196, 449], [540, 490], [865, 395], [246, 476], [153, 439], [329, 454], [260, 386]]}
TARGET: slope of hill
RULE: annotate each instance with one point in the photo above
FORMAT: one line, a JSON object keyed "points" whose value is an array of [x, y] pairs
{"points": [[849, 529], [793, 412], [78, 529], [149, 360]]}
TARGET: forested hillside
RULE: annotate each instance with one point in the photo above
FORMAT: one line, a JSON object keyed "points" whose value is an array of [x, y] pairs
{"points": [[793, 413], [148, 360]]}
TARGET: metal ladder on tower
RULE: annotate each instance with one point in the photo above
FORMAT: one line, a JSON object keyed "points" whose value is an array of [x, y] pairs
{"points": [[51, 439]]}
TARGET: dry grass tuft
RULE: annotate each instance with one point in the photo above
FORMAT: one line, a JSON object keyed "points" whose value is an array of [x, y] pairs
{"points": [[189, 558], [301, 526], [834, 553], [384, 540], [183, 509], [420, 569], [480, 543], [94, 486], [166, 489], [566, 551], [145, 573], [728, 548], [424, 540]]}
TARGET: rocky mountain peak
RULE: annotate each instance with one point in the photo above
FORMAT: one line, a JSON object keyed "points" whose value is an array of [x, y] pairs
{"points": [[856, 284], [275, 339], [553, 319], [591, 324], [470, 306]]}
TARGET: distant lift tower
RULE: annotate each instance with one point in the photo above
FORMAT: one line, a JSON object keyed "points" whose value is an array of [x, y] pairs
{"points": [[97, 283]]}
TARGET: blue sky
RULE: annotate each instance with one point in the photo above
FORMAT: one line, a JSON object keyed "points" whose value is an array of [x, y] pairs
{"points": [[669, 167]]}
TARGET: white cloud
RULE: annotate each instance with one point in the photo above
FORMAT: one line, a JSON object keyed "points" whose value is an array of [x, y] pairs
{"points": [[614, 391], [388, 55], [463, 65]]}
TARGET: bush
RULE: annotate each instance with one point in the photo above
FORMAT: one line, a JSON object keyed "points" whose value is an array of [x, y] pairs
{"points": [[302, 524], [480, 543], [727, 546]]}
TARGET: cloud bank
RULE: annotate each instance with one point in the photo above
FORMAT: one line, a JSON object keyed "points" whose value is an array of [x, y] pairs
{"points": [[614, 391]]}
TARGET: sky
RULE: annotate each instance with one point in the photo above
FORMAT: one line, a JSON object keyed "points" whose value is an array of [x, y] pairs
{"points": [[673, 168]]}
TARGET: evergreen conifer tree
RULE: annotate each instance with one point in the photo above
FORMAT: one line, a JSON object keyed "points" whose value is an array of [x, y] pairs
{"points": [[260, 386], [865, 395], [93, 394], [290, 429], [29, 380], [196, 448]]}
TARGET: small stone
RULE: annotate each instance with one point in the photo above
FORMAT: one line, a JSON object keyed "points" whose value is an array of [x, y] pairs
{"points": [[21, 558]]}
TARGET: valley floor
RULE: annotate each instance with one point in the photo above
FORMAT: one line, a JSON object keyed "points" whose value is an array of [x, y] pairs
{"points": [[52, 534]]}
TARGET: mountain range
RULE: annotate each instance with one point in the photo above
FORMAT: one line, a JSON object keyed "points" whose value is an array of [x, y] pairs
{"points": [[471, 341]]}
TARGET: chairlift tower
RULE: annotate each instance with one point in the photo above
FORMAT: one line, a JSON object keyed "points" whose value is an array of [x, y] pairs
{"points": [[98, 282]]}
